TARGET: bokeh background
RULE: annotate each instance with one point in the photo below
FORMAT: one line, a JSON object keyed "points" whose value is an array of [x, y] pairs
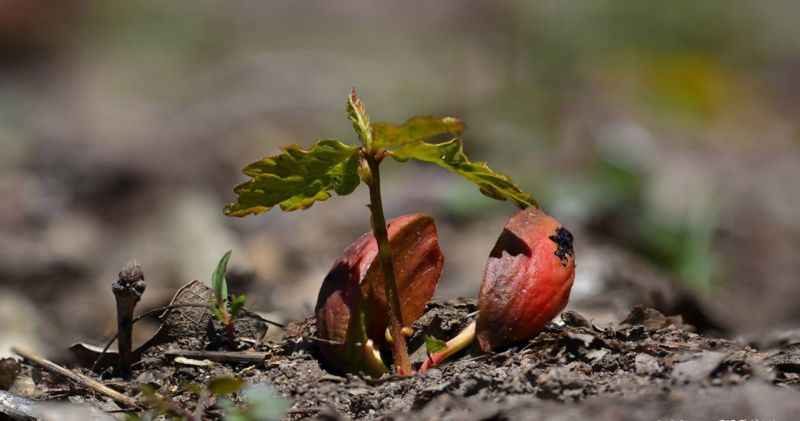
{"points": [[665, 135]]}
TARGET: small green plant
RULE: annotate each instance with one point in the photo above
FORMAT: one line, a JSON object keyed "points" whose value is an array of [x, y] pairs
{"points": [[297, 178], [224, 308], [260, 402]]}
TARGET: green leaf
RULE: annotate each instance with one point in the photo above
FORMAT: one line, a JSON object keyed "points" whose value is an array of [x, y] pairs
{"points": [[358, 115], [236, 305], [225, 385], [219, 314], [218, 282], [148, 391], [154, 400], [416, 129], [195, 388], [434, 345], [297, 178], [450, 156]]}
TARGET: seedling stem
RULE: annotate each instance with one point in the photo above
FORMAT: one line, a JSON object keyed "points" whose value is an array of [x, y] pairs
{"points": [[399, 351]]}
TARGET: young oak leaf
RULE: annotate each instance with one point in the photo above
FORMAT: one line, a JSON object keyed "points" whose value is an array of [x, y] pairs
{"points": [[450, 156], [237, 304], [297, 178], [416, 129], [357, 114]]}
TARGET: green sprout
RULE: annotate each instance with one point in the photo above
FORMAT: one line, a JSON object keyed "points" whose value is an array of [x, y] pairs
{"points": [[297, 178], [226, 310], [261, 402]]}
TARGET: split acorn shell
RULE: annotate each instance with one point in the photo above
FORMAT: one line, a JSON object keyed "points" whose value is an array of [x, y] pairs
{"points": [[527, 280], [352, 308]]}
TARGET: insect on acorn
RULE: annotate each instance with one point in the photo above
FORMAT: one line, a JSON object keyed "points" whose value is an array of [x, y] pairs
{"points": [[526, 283]]}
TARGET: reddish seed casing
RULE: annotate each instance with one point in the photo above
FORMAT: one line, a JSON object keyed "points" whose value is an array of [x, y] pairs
{"points": [[527, 280], [356, 280], [340, 297], [418, 263]]}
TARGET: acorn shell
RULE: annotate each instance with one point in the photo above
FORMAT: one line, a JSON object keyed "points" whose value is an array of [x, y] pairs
{"points": [[527, 280], [355, 283]]}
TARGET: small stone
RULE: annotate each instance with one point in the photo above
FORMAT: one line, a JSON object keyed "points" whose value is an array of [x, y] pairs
{"points": [[646, 364], [358, 391], [146, 377], [436, 389], [698, 368], [25, 386], [583, 338], [574, 319], [596, 354]]}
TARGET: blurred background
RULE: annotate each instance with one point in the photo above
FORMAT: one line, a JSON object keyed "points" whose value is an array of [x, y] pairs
{"points": [[664, 135]]}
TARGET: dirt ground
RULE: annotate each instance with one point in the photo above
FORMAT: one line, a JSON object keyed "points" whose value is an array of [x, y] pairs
{"points": [[649, 366], [663, 135]]}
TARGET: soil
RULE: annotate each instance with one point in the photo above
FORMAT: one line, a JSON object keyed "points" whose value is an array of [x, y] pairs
{"points": [[648, 367]]}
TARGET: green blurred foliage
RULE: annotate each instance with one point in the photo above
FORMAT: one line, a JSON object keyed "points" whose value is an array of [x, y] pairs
{"points": [[261, 403]]}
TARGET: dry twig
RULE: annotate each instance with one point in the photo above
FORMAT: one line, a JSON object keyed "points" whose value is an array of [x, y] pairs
{"points": [[77, 378], [242, 357], [128, 290]]}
